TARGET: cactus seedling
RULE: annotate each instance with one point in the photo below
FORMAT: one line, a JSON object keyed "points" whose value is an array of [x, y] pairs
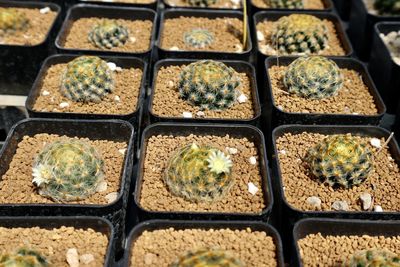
{"points": [[391, 7], [108, 34], [209, 84], [87, 79], [313, 77], [202, 3], [340, 160], [23, 258], [299, 34], [290, 4], [374, 258], [11, 21], [68, 170], [198, 38], [207, 258], [199, 173]]}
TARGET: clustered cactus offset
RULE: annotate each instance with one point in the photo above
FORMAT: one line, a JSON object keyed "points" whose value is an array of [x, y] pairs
{"points": [[390, 7], [23, 258], [299, 34], [198, 38], [209, 84], [108, 34], [313, 77], [199, 173], [290, 4], [207, 258], [68, 170], [340, 160], [12, 20], [202, 3], [374, 258], [87, 79]]}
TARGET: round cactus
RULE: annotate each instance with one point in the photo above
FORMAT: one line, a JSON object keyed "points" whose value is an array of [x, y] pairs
{"points": [[23, 258], [108, 34], [198, 38], [209, 84], [207, 258], [374, 258], [11, 20], [340, 160], [299, 34], [290, 4], [199, 174], [87, 79], [313, 77], [202, 3], [68, 171], [387, 7]]}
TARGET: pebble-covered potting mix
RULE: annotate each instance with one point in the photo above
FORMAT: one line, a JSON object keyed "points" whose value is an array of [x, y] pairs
{"points": [[392, 42], [278, 4]]}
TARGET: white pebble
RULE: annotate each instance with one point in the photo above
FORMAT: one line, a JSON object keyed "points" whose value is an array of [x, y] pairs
{"points": [[117, 98], [340, 205], [187, 114], [239, 48], [260, 36], [118, 69], [112, 66], [252, 188], [64, 105], [111, 197], [170, 84], [314, 202], [132, 39], [283, 151], [253, 160], [376, 142], [355, 113], [236, 2], [174, 48], [45, 10], [378, 208], [366, 200], [45, 92], [242, 98], [86, 258], [280, 107], [232, 150], [72, 257], [200, 113], [102, 186], [122, 151]]}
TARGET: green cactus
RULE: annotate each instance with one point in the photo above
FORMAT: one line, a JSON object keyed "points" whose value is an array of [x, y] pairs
{"points": [[68, 170], [299, 34], [198, 38], [209, 84], [290, 4], [23, 258], [207, 258], [108, 34], [199, 174], [202, 3], [313, 77], [387, 7], [373, 258], [11, 21], [87, 79], [340, 160]]}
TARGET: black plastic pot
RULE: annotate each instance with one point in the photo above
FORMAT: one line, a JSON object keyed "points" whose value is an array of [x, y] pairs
{"points": [[95, 130], [238, 131], [239, 66], [181, 225], [328, 7], [291, 214], [280, 117], [19, 64], [211, 14], [384, 71], [87, 11], [122, 4], [78, 222], [123, 62], [341, 228], [343, 8], [361, 26]]}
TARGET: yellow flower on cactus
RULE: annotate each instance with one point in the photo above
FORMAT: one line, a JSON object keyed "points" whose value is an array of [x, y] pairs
{"points": [[218, 162]]}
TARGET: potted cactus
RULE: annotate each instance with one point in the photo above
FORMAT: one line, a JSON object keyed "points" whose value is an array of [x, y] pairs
{"points": [[138, 3], [209, 4], [314, 5]]}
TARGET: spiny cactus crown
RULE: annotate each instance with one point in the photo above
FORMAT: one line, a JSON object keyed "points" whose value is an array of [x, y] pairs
{"points": [[87, 79], [374, 258], [199, 173], [108, 34], [68, 170], [299, 34], [198, 38], [207, 258], [209, 84], [290, 4], [202, 3], [340, 160], [313, 77], [12, 20], [387, 7], [23, 258]]}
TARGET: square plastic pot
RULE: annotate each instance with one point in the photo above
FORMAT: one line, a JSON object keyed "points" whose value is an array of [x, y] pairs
{"points": [[19, 64], [210, 14], [111, 12], [361, 26], [292, 214], [113, 130], [328, 7], [383, 69], [280, 117], [340, 228], [239, 66], [204, 225], [152, 6], [123, 62], [343, 8], [236, 131], [79, 222]]}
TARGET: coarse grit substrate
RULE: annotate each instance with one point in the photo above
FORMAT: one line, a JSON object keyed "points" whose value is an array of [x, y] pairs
{"points": [[383, 182], [167, 103], [54, 244], [331, 251], [123, 100], [308, 4], [155, 195], [353, 98], [162, 247], [16, 184]]}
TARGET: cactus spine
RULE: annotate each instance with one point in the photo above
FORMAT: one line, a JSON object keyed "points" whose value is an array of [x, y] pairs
{"points": [[23, 258], [374, 258], [208, 258], [12, 20], [108, 34], [202, 3], [289, 4]]}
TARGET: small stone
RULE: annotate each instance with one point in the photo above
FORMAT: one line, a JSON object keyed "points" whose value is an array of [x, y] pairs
{"points": [[174, 48], [283, 152], [280, 107], [260, 36], [45, 93], [232, 150], [45, 10], [239, 48], [117, 98], [366, 200], [187, 114], [111, 197], [86, 258], [72, 257], [170, 84], [102, 186], [122, 151], [378, 208], [200, 113], [236, 2], [112, 66], [242, 98], [252, 188], [56, 237], [132, 39], [376, 142], [64, 105], [253, 160], [355, 113], [118, 69], [340, 205], [314, 202]]}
